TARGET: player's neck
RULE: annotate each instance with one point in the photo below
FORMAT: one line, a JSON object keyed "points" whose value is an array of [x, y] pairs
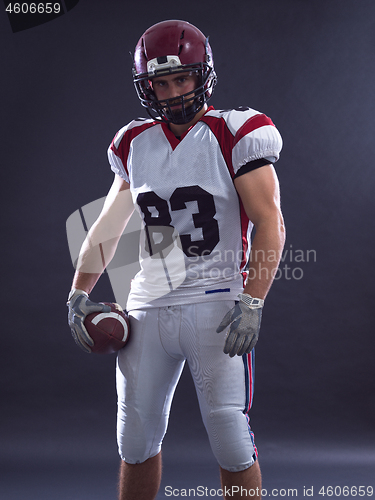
{"points": [[179, 130]]}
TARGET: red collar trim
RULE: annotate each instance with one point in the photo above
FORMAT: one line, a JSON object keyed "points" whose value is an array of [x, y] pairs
{"points": [[172, 139]]}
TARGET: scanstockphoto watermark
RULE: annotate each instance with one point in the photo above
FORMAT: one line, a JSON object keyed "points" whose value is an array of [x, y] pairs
{"points": [[228, 492], [306, 491]]}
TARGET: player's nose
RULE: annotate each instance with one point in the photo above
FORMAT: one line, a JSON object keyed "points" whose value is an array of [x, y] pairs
{"points": [[175, 91]]}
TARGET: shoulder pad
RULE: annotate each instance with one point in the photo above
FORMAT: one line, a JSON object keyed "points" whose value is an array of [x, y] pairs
{"points": [[139, 122]]}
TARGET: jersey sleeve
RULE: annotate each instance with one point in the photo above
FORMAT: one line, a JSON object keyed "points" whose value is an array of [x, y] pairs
{"points": [[256, 141], [115, 157], [119, 152]]}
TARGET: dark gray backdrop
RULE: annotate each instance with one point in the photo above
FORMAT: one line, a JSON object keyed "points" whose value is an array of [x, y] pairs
{"points": [[66, 89]]}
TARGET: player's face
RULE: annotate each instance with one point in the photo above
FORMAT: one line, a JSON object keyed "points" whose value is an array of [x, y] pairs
{"points": [[170, 86]]}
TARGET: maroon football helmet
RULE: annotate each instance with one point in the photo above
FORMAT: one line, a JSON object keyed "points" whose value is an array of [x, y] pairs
{"points": [[173, 47]]}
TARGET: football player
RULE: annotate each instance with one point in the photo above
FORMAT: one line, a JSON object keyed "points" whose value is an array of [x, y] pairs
{"points": [[201, 179]]}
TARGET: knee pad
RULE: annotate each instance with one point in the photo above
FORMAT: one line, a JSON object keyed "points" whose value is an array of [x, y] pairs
{"points": [[231, 438], [136, 441]]}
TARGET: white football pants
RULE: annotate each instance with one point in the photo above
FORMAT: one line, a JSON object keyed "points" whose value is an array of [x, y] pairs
{"points": [[148, 370]]}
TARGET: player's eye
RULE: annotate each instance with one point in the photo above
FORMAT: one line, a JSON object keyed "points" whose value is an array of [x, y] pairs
{"points": [[159, 83], [183, 80]]}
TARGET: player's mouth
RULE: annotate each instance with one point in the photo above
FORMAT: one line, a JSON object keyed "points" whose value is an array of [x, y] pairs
{"points": [[180, 103]]}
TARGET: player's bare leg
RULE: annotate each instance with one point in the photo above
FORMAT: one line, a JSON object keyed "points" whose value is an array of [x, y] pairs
{"points": [[140, 481], [249, 479]]}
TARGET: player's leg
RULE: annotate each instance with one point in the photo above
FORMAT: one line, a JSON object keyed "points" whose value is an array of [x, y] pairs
{"points": [[234, 484], [146, 379], [224, 388], [140, 481]]}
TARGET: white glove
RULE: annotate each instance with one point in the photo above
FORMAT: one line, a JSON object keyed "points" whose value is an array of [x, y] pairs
{"points": [[244, 320], [79, 307]]}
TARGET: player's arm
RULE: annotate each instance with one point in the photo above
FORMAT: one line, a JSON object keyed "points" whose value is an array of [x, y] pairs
{"points": [[97, 251], [260, 196], [101, 242]]}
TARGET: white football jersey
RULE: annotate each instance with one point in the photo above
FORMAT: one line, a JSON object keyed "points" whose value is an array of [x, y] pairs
{"points": [[196, 237]]}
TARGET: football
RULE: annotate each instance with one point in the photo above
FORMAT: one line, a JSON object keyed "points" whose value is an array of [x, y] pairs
{"points": [[109, 331]]}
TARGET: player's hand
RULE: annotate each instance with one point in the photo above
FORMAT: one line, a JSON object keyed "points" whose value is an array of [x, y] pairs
{"points": [[244, 320], [80, 306]]}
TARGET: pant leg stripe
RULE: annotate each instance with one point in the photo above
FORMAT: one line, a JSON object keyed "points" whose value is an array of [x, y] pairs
{"points": [[249, 361], [249, 364]]}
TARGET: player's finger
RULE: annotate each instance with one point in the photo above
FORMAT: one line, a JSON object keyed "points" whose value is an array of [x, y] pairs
{"points": [[251, 346], [81, 331], [229, 342], [79, 341], [237, 346], [96, 307], [242, 349]]}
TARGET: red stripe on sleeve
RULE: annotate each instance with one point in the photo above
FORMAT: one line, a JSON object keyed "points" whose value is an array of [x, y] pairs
{"points": [[250, 125], [224, 138], [122, 151]]}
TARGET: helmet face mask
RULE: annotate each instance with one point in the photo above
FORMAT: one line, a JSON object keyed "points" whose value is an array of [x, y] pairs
{"points": [[173, 47]]}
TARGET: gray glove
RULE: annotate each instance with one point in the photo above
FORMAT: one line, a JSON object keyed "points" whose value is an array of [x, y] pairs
{"points": [[79, 307], [244, 320]]}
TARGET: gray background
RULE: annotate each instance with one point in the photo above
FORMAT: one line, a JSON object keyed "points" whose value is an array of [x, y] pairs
{"points": [[66, 89]]}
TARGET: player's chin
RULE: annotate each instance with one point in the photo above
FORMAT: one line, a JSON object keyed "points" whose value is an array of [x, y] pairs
{"points": [[180, 110]]}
